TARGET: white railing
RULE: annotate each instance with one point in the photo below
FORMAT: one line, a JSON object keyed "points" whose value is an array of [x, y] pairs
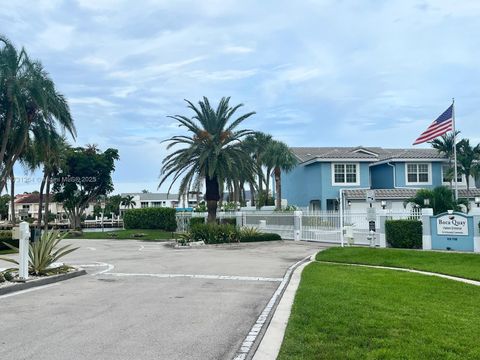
{"points": [[323, 226]]}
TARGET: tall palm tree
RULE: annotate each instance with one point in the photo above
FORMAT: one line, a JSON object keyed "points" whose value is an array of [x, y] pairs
{"points": [[467, 158], [212, 151], [28, 100], [128, 202], [256, 144], [445, 145], [279, 157]]}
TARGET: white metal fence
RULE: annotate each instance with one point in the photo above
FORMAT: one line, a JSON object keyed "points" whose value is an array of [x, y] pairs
{"points": [[324, 226]]}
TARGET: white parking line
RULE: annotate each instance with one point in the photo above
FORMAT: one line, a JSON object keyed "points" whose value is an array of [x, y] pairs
{"points": [[27, 290], [195, 276]]}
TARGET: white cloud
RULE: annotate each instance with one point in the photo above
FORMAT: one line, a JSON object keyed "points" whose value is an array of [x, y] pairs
{"points": [[91, 101], [230, 49], [222, 75], [57, 36]]}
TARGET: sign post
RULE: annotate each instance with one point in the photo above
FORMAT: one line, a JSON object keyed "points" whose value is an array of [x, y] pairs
{"points": [[23, 242]]}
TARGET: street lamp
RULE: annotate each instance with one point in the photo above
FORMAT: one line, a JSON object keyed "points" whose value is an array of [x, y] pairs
{"points": [[477, 201], [426, 202]]}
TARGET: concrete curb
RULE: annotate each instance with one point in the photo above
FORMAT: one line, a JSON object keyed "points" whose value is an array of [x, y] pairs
{"points": [[271, 342], [256, 334], [42, 281]]}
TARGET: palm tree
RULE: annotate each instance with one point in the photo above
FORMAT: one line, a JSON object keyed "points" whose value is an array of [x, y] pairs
{"points": [[30, 102], [213, 150], [256, 144], [467, 157], [279, 157], [445, 145], [128, 201]]}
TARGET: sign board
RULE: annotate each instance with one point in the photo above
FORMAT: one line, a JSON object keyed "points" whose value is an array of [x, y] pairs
{"points": [[452, 225], [452, 232], [370, 196], [371, 214], [23, 212]]}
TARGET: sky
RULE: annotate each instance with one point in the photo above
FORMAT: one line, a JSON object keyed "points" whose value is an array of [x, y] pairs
{"points": [[317, 73]]}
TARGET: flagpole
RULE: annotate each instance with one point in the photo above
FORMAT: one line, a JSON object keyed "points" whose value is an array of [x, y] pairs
{"points": [[455, 149]]}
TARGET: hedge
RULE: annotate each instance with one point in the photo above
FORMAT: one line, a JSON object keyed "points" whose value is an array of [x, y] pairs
{"points": [[197, 220], [6, 236], [150, 218], [405, 234], [261, 237]]}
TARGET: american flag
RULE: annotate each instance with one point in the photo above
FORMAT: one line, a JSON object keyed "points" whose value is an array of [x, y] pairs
{"points": [[442, 125]]}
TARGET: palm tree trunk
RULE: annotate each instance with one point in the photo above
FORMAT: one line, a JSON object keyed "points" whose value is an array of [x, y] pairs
{"points": [[12, 197], [212, 195], [278, 188], [252, 194], [40, 201], [47, 203]]}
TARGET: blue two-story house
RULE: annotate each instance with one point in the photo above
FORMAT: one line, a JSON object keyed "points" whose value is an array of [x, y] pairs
{"points": [[326, 174]]}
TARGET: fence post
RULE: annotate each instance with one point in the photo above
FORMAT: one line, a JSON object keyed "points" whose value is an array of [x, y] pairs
{"points": [[427, 232], [23, 243], [475, 212], [382, 236], [297, 225], [239, 219]]}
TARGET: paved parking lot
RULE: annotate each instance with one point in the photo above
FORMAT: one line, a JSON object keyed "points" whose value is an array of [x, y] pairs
{"points": [[144, 300]]}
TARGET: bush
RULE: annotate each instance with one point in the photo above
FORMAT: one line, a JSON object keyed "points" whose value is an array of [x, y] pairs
{"points": [[150, 218], [229, 221], [405, 234], [6, 237], [260, 237], [214, 233], [197, 220]]}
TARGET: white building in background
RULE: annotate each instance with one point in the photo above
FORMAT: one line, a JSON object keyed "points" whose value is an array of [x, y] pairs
{"points": [[26, 206], [147, 200]]}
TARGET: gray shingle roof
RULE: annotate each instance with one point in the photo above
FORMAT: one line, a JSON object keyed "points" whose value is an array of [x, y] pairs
{"points": [[398, 194], [363, 153]]}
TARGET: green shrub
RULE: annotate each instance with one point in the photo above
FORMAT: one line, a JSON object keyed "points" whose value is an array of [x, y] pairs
{"points": [[405, 234], [260, 237], [197, 220], [214, 233], [229, 221], [150, 218]]}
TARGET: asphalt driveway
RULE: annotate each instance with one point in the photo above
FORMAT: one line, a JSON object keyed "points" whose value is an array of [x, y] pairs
{"points": [[144, 300]]}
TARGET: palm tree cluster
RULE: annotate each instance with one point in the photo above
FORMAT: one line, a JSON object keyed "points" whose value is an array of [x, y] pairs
{"points": [[34, 118], [468, 157], [215, 152]]}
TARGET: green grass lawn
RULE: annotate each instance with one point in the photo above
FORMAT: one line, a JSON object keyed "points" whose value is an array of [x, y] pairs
{"points": [[455, 264], [343, 312], [150, 235]]}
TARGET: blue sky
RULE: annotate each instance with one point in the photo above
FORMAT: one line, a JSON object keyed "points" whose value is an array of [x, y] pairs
{"points": [[318, 73]]}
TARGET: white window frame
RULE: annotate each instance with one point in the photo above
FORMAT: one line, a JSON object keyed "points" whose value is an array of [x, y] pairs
{"points": [[429, 165], [461, 183], [357, 174]]}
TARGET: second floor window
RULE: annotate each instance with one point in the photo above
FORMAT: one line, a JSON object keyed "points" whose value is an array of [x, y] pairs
{"points": [[418, 174], [144, 204], [345, 174]]}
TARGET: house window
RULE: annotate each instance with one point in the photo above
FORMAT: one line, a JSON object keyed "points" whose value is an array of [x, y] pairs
{"points": [[418, 173], [156, 204], [345, 174], [447, 174], [144, 204]]}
